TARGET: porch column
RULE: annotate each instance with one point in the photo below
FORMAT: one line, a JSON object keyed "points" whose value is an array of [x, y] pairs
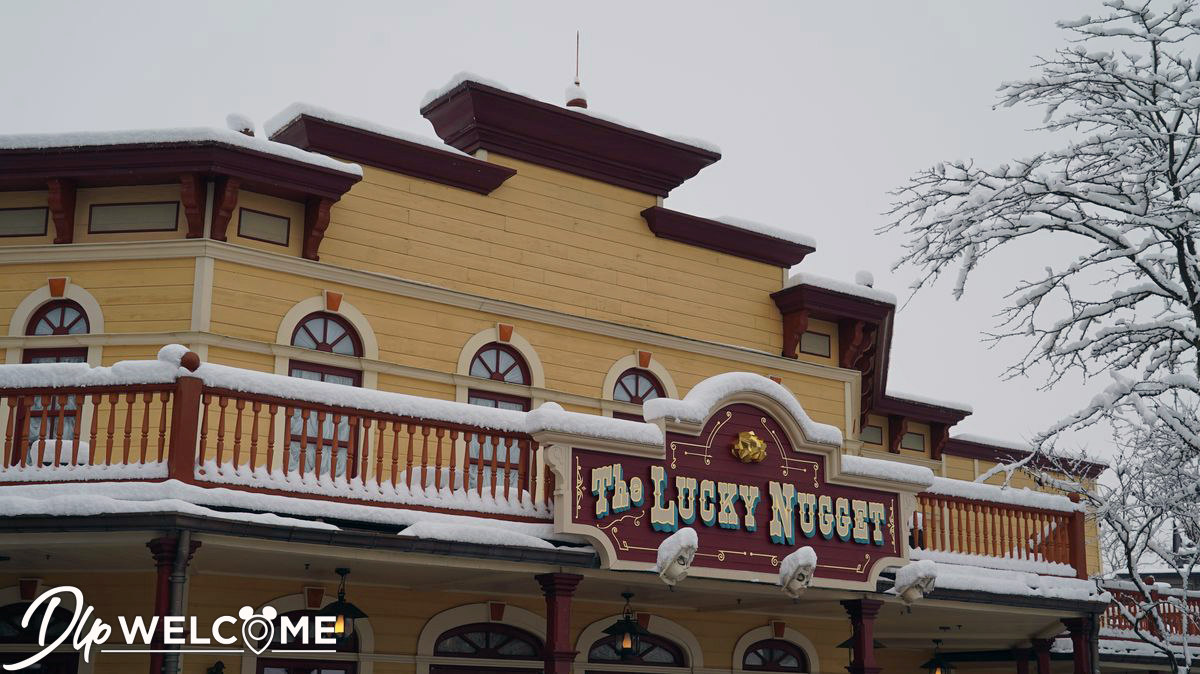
{"points": [[1021, 657], [1082, 631], [164, 551], [558, 588], [862, 614], [1041, 653]]}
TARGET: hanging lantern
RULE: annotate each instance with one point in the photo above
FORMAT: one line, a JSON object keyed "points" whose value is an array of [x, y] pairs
{"points": [[627, 630], [343, 612], [938, 664]]}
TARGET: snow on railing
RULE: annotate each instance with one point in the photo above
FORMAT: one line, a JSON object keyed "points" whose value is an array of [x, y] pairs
{"points": [[1173, 605]]}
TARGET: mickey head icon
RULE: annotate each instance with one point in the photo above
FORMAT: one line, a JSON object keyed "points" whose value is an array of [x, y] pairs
{"points": [[258, 629]]}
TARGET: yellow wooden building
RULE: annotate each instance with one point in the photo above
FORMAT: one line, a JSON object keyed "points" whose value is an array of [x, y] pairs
{"points": [[489, 375]]}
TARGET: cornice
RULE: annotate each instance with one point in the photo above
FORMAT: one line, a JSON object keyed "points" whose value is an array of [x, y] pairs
{"points": [[724, 238]]}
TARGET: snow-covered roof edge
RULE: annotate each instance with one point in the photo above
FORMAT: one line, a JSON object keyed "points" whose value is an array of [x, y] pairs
{"points": [[884, 469], [930, 400], [704, 397], [291, 113], [463, 76], [997, 494], [768, 230], [845, 287], [193, 135]]}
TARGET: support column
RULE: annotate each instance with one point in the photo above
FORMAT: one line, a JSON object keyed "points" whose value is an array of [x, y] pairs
{"points": [[163, 550], [862, 614], [1041, 654], [1083, 633], [1021, 658], [558, 588]]}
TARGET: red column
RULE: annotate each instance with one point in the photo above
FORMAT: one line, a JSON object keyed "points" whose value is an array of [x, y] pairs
{"points": [[1021, 657], [163, 550], [1041, 653], [558, 588], [1082, 632], [862, 614]]}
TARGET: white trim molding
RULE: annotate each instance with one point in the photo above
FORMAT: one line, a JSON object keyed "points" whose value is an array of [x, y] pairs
{"points": [[347, 311], [34, 300], [657, 625], [619, 366], [513, 616], [790, 635], [296, 602], [537, 374]]}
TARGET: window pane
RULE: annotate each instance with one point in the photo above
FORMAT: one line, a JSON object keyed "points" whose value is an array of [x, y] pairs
{"points": [[134, 217], [914, 441], [872, 435], [814, 343], [23, 221], [263, 226]]}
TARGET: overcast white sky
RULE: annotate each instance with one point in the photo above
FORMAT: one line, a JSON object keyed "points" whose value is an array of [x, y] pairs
{"points": [[819, 108]]}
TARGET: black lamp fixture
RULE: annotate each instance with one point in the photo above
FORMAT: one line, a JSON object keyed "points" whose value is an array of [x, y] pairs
{"points": [[344, 612], [627, 630], [938, 664]]}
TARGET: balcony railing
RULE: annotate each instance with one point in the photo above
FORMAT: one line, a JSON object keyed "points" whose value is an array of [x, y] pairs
{"points": [[1173, 605], [212, 425]]}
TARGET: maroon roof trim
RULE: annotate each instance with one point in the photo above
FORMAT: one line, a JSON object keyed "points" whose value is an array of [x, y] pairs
{"points": [[150, 163], [831, 304], [918, 411], [472, 116], [723, 238], [978, 450], [393, 154]]}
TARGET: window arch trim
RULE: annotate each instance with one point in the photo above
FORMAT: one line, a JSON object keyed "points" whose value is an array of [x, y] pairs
{"points": [[765, 632], [638, 383], [782, 648], [323, 342], [496, 368], [537, 375], [62, 316], [509, 634], [346, 310]]}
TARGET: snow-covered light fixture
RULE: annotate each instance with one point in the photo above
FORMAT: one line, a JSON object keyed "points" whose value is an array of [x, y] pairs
{"points": [[915, 580], [675, 555], [796, 571], [938, 664], [344, 612], [627, 630]]}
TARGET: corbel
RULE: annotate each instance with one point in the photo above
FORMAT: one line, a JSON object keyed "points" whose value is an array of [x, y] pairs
{"points": [[224, 201], [62, 208], [192, 194], [938, 435], [897, 427], [794, 324], [316, 221]]}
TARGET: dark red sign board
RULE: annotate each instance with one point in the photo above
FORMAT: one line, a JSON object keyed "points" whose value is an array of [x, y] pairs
{"points": [[749, 511]]}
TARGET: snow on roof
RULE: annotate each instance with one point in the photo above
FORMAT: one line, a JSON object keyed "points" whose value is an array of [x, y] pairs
{"points": [[436, 93], [845, 287], [989, 562], [883, 469], [996, 494], [994, 442], [930, 400], [45, 141], [1016, 583], [40, 499], [292, 112], [473, 533], [703, 398], [768, 230]]}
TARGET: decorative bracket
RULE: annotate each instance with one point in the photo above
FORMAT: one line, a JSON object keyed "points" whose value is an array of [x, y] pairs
{"points": [[897, 426], [62, 209], [192, 194], [224, 201], [795, 323], [316, 220]]}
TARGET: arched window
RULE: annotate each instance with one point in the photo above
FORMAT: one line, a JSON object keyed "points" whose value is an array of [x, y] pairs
{"points": [[774, 655], [636, 386], [54, 318], [497, 362], [12, 635], [330, 333], [500, 362], [652, 650], [487, 641]]}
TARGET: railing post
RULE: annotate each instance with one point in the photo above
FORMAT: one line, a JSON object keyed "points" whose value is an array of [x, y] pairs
{"points": [[1078, 541], [185, 422]]}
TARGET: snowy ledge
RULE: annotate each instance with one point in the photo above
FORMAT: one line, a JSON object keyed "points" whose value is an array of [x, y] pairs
{"points": [[1024, 496], [768, 230], [930, 400], [195, 135], [1016, 583], [702, 400], [843, 287], [293, 112], [1001, 563], [883, 469]]}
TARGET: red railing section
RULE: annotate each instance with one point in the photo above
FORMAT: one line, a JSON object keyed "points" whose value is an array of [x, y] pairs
{"points": [[1170, 606], [954, 524]]}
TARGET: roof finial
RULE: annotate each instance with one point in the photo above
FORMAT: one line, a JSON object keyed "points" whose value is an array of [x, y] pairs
{"points": [[576, 98]]}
